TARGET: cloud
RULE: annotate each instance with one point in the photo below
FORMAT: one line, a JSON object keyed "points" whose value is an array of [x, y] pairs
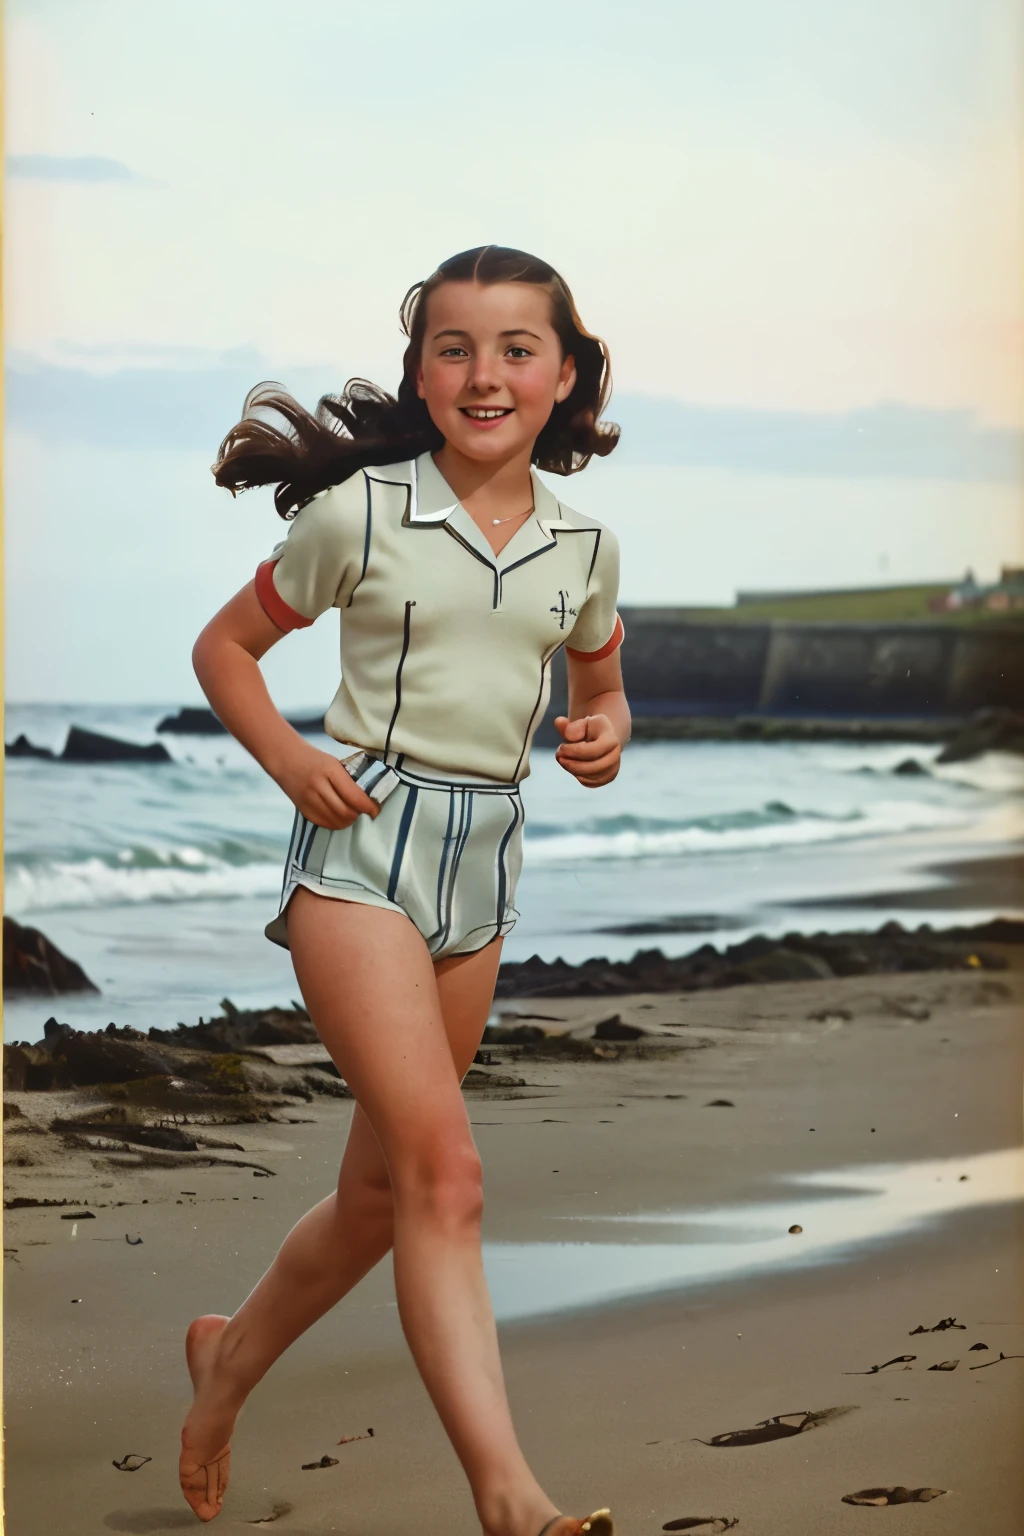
{"points": [[191, 408], [84, 169], [890, 439]]}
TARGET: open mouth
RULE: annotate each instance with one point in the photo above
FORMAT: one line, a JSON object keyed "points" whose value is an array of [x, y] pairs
{"points": [[486, 412]]}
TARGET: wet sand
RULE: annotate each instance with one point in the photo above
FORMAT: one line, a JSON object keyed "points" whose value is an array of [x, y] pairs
{"points": [[611, 1402], [995, 883]]}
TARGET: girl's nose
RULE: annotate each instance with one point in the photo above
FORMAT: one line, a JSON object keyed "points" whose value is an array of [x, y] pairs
{"points": [[482, 373]]}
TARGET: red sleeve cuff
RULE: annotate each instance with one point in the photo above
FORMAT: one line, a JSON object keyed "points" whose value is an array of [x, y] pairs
{"points": [[283, 614], [617, 636]]}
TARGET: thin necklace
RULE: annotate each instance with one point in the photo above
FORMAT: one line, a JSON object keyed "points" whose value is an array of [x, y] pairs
{"points": [[496, 520]]}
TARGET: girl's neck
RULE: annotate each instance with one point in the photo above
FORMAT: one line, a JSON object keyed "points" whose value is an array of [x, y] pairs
{"points": [[487, 490]]}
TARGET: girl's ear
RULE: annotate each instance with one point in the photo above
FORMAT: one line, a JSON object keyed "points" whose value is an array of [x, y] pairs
{"points": [[566, 379], [419, 380]]}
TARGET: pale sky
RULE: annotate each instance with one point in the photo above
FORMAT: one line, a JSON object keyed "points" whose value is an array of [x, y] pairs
{"points": [[781, 214]]}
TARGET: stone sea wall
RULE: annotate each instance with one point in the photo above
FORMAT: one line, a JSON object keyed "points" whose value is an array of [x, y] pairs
{"points": [[675, 667]]}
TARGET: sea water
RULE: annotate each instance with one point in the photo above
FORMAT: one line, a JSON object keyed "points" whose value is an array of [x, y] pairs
{"points": [[158, 878]]}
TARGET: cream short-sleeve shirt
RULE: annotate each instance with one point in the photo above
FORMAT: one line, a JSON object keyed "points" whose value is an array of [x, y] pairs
{"points": [[445, 646]]}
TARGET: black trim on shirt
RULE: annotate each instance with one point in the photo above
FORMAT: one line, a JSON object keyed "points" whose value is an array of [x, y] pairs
{"points": [[540, 693], [409, 606], [366, 540]]}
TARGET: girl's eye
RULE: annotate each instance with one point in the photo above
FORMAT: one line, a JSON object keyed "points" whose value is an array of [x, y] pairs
{"points": [[450, 351], [520, 351]]}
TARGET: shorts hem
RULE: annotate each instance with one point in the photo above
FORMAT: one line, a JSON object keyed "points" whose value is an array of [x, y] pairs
{"points": [[277, 929], [464, 947]]}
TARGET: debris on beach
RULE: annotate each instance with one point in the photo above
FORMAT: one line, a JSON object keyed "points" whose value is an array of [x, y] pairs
{"points": [[897, 1495], [781, 1427], [945, 1365], [348, 1439], [719, 1103], [614, 1029], [946, 1322], [133, 1242], [979, 1346], [796, 1227], [325, 1461], [874, 1369], [911, 1008], [982, 1366], [131, 1463], [889, 950]]}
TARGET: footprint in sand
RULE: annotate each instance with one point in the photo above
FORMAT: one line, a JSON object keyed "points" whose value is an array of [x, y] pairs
{"points": [[897, 1495], [275, 1514], [708, 1523], [778, 1428]]}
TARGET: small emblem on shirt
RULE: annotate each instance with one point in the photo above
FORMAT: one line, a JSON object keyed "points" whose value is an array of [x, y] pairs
{"points": [[563, 609]]}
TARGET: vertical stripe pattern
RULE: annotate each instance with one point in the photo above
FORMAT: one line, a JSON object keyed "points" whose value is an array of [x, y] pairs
{"points": [[444, 853]]}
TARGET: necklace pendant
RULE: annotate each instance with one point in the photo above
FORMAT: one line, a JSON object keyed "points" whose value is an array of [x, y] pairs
{"points": [[496, 521]]}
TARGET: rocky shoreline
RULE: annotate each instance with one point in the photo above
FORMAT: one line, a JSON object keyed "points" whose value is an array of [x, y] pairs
{"points": [[986, 730], [150, 1088]]}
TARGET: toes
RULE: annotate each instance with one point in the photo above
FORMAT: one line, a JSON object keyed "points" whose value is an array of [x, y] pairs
{"points": [[203, 1483]]}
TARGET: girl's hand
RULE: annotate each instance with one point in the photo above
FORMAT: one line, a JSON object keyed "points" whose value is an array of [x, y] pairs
{"points": [[591, 750], [323, 790]]}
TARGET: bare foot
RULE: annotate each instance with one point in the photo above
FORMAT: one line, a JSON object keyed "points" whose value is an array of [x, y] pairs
{"points": [[597, 1524], [205, 1454]]}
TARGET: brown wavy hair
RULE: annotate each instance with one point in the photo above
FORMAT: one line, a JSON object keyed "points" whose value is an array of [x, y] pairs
{"points": [[365, 425]]}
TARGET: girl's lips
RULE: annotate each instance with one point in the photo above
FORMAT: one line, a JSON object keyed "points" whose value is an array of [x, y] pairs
{"points": [[486, 423]]}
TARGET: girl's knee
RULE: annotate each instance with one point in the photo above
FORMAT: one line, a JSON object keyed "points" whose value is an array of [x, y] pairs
{"points": [[443, 1176]]}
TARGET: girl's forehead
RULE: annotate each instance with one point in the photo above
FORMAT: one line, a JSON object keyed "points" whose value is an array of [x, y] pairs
{"points": [[488, 307]]}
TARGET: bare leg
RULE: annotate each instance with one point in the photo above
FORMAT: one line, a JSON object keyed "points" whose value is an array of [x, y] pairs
{"points": [[368, 982], [331, 1248], [324, 1255]]}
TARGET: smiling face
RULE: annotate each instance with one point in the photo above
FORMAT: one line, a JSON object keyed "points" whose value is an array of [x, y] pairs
{"points": [[491, 367]]}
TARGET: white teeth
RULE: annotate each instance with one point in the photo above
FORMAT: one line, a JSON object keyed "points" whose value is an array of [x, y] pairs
{"points": [[482, 415]]}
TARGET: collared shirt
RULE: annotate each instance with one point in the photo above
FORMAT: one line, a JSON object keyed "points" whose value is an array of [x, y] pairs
{"points": [[445, 646]]}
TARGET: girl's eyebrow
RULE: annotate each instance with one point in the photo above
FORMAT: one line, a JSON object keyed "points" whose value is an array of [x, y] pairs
{"points": [[518, 331]]}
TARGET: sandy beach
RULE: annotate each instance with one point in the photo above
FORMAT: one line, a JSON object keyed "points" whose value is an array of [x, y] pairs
{"points": [[665, 1335]]}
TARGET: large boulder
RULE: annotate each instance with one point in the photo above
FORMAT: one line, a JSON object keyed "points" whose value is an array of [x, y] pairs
{"points": [[84, 746], [988, 730], [193, 720], [22, 747], [32, 963]]}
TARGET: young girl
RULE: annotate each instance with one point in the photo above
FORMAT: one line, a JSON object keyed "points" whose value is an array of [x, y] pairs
{"points": [[458, 575]]}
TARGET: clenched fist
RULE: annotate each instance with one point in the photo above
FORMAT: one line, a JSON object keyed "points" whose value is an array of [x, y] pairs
{"points": [[590, 749]]}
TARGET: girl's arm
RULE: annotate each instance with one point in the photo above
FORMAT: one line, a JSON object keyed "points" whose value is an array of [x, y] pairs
{"points": [[226, 661], [597, 726]]}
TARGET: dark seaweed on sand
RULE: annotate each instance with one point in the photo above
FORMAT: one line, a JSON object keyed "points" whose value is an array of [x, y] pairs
{"points": [[781, 1427]]}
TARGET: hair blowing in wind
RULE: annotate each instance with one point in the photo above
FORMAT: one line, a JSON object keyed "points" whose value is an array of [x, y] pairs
{"points": [[278, 442]]}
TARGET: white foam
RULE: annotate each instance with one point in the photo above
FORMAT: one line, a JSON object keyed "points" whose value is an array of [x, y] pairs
{"points": [[884, 819], [94, 883]]}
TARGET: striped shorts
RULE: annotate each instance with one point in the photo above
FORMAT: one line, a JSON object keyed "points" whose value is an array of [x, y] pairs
{"points": [[445, 851]]}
